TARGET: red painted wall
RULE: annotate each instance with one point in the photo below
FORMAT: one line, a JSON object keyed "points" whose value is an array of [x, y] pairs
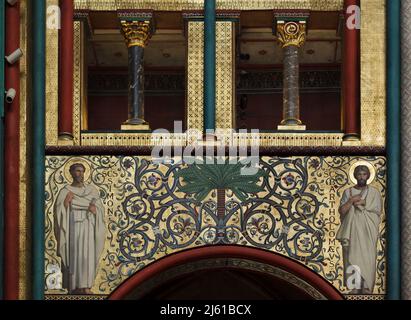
{"points": [[109, 112], [319, 111]]}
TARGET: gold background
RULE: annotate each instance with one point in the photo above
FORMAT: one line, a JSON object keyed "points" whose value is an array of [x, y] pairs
{"points": [[372, 82], [327, 178], [373, 75], [52, 82], [225, 72], [78, 77], [24, 217], [195, 75]]}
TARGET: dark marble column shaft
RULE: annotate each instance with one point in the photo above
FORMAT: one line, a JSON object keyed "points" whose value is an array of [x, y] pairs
{"points": [[291, 101], [136, 85]]}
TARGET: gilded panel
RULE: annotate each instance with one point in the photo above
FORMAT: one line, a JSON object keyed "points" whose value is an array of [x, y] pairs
{"points": [[175, 5], [373, 96], [373, 75], [228, 138], [52, 45], [77, 78], [149, 211], [24, 222], [225, 70], [132, 139], [195, 75], [292, 139]]}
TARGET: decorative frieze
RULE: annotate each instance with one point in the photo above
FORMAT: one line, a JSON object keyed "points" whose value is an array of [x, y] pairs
{"points": [[272, 81], [117, 84]]}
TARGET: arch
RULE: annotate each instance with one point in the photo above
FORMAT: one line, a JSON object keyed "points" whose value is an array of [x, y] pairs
{"points": [[277, 261]]}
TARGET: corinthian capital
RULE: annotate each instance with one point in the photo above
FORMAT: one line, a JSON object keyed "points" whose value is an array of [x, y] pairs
{"points": [[136, 33], [291, 33]]}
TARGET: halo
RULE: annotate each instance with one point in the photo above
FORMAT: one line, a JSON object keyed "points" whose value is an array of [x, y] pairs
{"points": [[362, 163], [69, 163]]}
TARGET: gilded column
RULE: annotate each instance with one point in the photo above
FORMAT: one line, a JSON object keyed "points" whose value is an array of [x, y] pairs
{"points": [[137, 34], [291, 35]]}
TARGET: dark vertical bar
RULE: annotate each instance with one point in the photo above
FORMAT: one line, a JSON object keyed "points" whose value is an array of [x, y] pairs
{"points": [[209, 64], [38, 145], [393, 150]]}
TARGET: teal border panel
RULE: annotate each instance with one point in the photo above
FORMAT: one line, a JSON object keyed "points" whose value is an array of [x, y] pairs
{"points": [[38, 144], [209, 64], [393, 149]]}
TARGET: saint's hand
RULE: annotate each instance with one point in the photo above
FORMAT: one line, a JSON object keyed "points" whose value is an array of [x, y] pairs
{"points": [[355, 199], [69, 198], [92, 208], [359, 203]]}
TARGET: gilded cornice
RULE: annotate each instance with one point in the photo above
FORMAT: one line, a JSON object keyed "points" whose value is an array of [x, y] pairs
{"points": [[179, 5]]}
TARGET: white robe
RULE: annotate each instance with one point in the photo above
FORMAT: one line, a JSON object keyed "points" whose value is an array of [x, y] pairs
{"points": [[359, 233], [88, 235]]}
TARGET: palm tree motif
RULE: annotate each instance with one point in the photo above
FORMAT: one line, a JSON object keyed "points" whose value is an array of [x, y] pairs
{"points": [[202, 178]]}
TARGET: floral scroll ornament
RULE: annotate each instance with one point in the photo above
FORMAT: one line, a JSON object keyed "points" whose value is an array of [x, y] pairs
{"points": [[156, 210]]}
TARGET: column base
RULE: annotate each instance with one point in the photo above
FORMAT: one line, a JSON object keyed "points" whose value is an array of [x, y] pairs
{"points": [[65, 136], [131, 127], [65, 139], [292, 127], [351, 137], [65, 142], [351, 143], [135, 124]]}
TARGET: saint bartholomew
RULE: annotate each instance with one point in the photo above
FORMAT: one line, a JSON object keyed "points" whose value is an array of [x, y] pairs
{"points": [[80, 232], [360, 210]]}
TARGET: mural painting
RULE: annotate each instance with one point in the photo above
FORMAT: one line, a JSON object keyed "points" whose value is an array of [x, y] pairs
{"points": [[145, 211], [360, 210], [79, 229]]}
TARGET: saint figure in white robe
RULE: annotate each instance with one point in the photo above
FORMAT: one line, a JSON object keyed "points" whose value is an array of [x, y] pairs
{"points": [[360, 210], [80, 232]]}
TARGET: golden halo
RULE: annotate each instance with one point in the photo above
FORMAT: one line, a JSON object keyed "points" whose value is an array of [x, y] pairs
{"points": [[362, 163], [69, 163]]}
